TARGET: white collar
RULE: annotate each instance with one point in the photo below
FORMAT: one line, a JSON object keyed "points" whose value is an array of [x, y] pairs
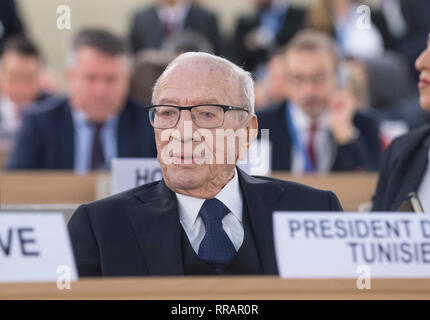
{"points": [[8, 113], [230, 196]]}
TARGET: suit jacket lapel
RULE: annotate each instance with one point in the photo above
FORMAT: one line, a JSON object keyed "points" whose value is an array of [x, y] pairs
{"points": [[154, 31], [261, 197], [286, 139], [65, 139], [126, 134], [158, 230], [280, 137], [413, 167]]}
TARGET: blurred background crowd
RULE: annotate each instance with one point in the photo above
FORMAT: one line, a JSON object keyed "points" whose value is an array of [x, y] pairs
{"points": [[333, 86]]}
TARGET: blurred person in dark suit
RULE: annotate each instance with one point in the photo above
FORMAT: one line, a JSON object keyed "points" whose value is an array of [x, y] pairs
{"points": [[152, 25], [96, 122], [21, 70], [319, 129], [405, 164], [409, 23], [258, 35], [10, 21], [206, 216]]}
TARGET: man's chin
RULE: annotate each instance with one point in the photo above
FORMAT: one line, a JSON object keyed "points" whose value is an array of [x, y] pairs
{"points": [[96, 118], [313, 111], [184, 178], [425, 104]]}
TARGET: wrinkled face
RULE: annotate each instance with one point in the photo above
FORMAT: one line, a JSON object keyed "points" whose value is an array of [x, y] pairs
{"points": [[423, 65], [98, 83], [20, 78], [191, 157], [311, 80]]}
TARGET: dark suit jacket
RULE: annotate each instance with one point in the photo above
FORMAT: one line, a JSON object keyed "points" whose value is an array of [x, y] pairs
{"points": [[402, 168], [147, 30], [10, 19], [46, 137], [362, 154], [416, 15], [249, 59], [138, 232]]}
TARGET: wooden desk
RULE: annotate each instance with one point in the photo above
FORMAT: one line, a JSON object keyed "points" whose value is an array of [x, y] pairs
{"points": [[37, 187], [196, 288], [352, 189], [3, 156]]}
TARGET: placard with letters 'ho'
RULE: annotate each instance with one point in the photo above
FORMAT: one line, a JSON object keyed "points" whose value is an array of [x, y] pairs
{"points": [[129, 173]]}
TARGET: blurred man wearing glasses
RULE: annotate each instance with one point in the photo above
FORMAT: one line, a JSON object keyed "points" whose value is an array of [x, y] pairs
{"points": [[320, 128], [205, 216]]}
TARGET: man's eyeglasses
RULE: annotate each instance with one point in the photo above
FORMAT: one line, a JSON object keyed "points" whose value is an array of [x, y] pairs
{"points": [[203, 115]]}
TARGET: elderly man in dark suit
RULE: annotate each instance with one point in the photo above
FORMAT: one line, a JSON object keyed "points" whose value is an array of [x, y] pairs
{"points": [[405, 164], [151, 26], [319, 129], [205, 216], [95, 123]]}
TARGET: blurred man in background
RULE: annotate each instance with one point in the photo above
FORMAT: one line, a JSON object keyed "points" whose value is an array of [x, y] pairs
{"points": [[258, 35], [96, 122], [319, 129], [21, 71], [405, 165], [153, 25]]}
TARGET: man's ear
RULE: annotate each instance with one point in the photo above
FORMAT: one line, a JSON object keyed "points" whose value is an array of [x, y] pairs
{"points": [[251, 134], [253, 129]]}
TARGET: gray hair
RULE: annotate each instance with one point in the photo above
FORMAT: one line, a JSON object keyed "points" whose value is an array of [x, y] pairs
{"points": [[102, 40], [245, 78]]}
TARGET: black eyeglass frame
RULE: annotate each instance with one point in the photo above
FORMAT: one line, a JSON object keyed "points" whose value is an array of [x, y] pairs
{"points": [[189, 108]]}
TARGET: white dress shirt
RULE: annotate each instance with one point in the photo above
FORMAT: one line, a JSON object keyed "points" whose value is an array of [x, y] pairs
{"points": [[424, 189], [9, 119], [174, 16], [193, 225], [324, 147], [84, 134]]}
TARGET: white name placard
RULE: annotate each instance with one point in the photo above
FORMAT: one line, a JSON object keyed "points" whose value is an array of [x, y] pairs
{"points": [[336, 245], [129, 173], [35, 247]]}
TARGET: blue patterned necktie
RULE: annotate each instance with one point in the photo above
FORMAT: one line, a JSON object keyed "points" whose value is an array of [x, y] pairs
{"points": [[216, 247]]}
